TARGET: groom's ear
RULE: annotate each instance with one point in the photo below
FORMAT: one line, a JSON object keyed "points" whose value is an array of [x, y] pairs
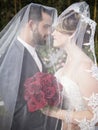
{"points": [[31, 24]]}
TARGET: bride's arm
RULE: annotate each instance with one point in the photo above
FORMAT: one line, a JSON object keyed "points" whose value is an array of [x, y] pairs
{"points": [[88, 85], [68, 116]]}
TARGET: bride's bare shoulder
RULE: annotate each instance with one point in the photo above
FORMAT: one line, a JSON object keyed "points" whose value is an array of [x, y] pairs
{"points": [[86, 64]]}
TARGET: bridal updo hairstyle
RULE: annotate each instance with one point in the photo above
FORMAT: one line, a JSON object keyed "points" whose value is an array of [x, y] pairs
{"points": [[70, 22], [68, 25]]}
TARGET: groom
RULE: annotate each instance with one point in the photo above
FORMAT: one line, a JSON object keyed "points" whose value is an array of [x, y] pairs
{"points": [[34, 32]]}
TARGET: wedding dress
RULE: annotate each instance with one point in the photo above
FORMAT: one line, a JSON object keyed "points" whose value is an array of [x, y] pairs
{"points": [[75, 23], [75, 101]]}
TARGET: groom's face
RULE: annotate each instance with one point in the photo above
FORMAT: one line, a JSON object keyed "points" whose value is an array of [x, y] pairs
{"points": [[42, 29]]}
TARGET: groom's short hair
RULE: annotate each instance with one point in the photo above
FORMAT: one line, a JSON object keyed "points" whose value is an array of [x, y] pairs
{"points": [[36, 11]]}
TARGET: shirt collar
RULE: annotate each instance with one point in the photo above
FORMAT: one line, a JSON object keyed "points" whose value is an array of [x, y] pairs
{"points": [[27, 46]]}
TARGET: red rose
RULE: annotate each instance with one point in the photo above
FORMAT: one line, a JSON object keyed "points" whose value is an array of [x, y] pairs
{"points": [[40, 90], [49, 92], [36, 102]]}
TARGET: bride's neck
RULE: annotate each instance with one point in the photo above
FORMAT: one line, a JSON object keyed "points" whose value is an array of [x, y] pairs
{"points": [[72, 50], [74, 53]]}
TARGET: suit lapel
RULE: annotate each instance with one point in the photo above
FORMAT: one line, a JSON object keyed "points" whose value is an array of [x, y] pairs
{"points": [[29, 65], [43, 66]]}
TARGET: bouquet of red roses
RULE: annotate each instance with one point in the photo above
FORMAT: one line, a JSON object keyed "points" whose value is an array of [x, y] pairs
{"points": [[42, 90]]}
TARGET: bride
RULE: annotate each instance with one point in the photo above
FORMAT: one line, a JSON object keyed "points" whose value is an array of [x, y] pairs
{"points": [[79, 75]]}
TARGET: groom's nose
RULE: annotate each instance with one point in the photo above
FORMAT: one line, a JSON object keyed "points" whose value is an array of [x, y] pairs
{"points": [[53, 33]]}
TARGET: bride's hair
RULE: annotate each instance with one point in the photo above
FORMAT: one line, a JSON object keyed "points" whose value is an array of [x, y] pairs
{"points": [[80, 28], [87, 34], [69, 24]]}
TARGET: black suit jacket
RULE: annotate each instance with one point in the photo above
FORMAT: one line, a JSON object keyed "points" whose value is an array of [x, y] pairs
{"points": [[23, 119]]}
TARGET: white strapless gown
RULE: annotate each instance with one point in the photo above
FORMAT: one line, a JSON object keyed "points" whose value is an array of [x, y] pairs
{"points": [[75, 101]]}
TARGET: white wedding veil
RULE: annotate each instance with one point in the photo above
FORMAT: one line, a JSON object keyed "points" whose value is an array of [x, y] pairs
{"points": [[79, 29], [82, 33], [83, 28], [10, 68]]}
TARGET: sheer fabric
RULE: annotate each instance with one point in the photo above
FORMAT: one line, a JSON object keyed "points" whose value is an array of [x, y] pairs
{"points": [[11, 60], [81, 36], [76, 102], [84, 25]]}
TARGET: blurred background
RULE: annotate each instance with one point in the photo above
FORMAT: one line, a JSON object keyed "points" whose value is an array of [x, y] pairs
{"points": [[8, 8]]}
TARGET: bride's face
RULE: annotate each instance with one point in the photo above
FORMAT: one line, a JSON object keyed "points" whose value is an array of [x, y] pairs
{"points": [[60, 39]]}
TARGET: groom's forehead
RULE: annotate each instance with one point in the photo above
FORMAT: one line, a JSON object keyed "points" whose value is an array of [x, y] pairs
{"points": [[46, 18]]}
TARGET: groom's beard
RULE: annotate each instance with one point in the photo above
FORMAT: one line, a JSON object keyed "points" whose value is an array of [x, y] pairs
{"points": [[38, 39]]}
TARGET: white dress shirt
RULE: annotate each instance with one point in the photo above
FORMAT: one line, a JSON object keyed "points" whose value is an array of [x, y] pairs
{"points": [[32, 51]]}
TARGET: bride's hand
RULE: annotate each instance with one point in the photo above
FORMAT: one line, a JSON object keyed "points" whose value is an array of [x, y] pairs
{"points": [[59, 114], [54, 112]]}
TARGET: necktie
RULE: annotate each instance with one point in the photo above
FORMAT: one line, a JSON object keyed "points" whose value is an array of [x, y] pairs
{"points": [[38, 62]]}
